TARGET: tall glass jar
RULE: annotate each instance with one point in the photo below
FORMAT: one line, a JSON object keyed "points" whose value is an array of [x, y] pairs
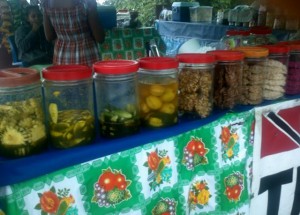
{"points": [[116, 96], [158, 91], [293, 76], [228, 78], [276, 72], [22, 119], [253, 74], [196, 84], [68, 92]]}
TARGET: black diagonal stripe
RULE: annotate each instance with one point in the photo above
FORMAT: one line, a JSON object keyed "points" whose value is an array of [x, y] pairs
{"points": [[284, 126]]}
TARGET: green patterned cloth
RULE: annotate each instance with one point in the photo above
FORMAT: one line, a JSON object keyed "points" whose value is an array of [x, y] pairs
{"points": [[203, 171]]}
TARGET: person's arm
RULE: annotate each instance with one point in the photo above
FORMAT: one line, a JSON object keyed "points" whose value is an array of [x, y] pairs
{"points": [[94, 21], [48, 28], [25, 38]]}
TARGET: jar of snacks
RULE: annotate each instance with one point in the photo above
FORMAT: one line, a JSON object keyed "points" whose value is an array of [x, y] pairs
{"points": [[196, 84], [293, 76], [117, 98], [253, 74], [68, 92], [228, 78], [262, 35], [22, 119], [276, 72], [158, 91]]}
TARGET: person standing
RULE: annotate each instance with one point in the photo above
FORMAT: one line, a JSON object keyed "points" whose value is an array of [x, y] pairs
{"points": [[33, 48], [76, 29]]}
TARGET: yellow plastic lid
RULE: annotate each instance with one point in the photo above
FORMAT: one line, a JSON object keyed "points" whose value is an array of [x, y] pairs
{"points": [[253, 51]]}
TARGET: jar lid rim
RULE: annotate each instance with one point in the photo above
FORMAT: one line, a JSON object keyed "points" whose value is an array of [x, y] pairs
{"points": [[158, 63], [67, 72], [196, 58], [227, 55], [116, 67]]}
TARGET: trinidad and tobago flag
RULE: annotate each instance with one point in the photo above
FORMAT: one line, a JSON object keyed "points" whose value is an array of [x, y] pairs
{"points": [[276, 164]]}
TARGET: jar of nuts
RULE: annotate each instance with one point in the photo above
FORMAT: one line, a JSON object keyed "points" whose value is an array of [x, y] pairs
{"points": [[253, 74], [228, 78], [196, 84], [158, 91]]}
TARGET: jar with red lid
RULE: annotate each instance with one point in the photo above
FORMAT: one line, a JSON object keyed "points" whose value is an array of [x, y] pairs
{"points": [[158, 91], [276, 71], [251, 92], [68, 93], [293, 76], [116, 97], [22, 118], [262, 35], [196, 84], [228, 78]]}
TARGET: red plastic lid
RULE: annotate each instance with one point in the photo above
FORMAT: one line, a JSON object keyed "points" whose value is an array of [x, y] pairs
{"points": [[227, 55], [231, 32], [67, 72], [158, 63], [17, 77], [196, 58], [260, 30], [277, 49], [116, 67], [294, 47]]}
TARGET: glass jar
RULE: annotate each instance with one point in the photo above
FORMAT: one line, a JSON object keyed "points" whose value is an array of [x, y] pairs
{"points": [[22, 119], [253, 74], [158, 91], [262, 35], [116, 96], [68, 92], [293, 76], [196, 84], [276, 72], [228, 78]]}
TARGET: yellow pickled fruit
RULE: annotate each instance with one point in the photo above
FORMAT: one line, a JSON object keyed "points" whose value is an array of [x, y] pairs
{"points": [[155, 122], [157, 90], [168, 108], [53, 111], [145, 108], [168, 96], [153, 102]]}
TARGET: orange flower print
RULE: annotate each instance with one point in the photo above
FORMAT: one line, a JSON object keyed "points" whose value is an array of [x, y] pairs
{"points": [[153, 161], [225, 135], [49, 202]]}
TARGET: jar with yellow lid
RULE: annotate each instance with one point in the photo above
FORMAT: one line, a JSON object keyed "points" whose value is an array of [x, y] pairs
{"points": [[196, 83], [22, 118], [253, 74], [158, 91]]}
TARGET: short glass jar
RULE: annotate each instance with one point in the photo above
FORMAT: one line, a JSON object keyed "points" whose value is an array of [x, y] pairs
{"points": [[68, 92], [158, 91], [22, 118], [196, 75], [276, 72], [117, 97], [293, 76], [253, 74], [228, 78]]}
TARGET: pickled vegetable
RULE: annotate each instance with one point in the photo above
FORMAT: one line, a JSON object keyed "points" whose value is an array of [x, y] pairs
{"points": [[117, 123], [22, 128], [71, 127]]}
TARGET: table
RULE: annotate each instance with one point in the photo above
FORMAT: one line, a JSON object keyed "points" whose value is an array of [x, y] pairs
{"points": [[197, 165], [209, 34]]}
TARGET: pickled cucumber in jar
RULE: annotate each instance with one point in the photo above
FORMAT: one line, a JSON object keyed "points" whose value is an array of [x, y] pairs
{"points": [[115, 122], [69, 128]]}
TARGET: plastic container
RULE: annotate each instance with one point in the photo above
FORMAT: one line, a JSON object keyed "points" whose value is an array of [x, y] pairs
{"points": [[181, 11], [201, 14], [228, 78], [253, 74], [68, 92], [276, 72], [22, 119], [158, 91], [235, 38], [262, 35], [293, 76], [117, 97], [196, 84]]}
